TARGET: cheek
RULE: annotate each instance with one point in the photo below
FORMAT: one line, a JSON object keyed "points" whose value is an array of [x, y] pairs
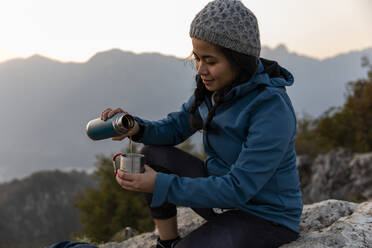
{"points": [[217, 72], [223, 73], [230, 73]]}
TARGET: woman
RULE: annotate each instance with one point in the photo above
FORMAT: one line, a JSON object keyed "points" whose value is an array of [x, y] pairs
{"points": [[248, 188]]}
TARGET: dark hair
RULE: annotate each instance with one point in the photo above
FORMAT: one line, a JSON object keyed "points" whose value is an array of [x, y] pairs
{"points": [[246, 65]]}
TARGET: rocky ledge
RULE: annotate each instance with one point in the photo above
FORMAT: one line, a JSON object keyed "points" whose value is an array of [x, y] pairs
{"points": [[330, 223], [339, 174]]}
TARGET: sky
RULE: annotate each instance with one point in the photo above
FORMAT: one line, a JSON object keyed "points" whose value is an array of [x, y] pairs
{"points": [[75, 30]]}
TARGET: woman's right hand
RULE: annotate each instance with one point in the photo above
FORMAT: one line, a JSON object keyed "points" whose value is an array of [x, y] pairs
{"points": [[108, 113]]}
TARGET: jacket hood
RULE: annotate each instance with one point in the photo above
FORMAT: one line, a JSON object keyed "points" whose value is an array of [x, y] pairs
{"points": [[269, 73]]}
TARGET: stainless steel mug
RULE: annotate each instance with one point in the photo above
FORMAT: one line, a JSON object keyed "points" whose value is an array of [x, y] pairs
{"points": [[130, 162], [117, 125]]}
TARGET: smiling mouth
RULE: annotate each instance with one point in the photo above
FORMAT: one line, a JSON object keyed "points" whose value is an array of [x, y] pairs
{"points": [[207, 82]]}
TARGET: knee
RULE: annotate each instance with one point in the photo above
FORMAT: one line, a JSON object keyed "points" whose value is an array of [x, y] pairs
{"points": [[157, 154], [149, 152], [146, 150], [150, 149]]}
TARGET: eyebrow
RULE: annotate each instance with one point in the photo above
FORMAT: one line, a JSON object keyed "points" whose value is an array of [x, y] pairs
{"points": [[204, 56]]}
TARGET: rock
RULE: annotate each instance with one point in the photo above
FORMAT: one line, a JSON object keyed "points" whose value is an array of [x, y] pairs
{"points": [[122, 235], [335, 223], [361, 176], [317, 216], [187, 220], [331, 223], [145, 240], [338, 174]]}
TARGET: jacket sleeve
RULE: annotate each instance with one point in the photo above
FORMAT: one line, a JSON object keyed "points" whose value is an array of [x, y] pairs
{"points": [[172, 130], [272, 126]]}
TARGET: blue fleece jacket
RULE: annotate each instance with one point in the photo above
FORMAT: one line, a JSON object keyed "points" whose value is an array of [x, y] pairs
{"points": [[251, 158]]}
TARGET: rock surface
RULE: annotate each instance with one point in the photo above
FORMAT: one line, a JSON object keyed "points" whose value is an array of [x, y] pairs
{"points": [[331, 223], [335, 223], [339, 174], [187, 220]]}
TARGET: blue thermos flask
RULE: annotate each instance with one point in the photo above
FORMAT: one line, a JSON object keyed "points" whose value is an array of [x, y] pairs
{"points": [[116, 125]]}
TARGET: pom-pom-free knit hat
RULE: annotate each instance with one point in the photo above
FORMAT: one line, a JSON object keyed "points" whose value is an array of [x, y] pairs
{"points": [[228, 23]]}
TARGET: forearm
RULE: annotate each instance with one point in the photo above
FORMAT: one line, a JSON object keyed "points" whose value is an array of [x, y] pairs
{"points": [[163, 132], [172, 130]]}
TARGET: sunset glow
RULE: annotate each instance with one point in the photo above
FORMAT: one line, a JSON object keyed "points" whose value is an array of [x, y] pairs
{"points": [[75, 30]]}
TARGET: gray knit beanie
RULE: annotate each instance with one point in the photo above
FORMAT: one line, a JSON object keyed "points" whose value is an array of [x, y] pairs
{"points": [[228, 23]]}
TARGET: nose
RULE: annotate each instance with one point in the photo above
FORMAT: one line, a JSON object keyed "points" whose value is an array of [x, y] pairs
{"points": [[202, 68]]}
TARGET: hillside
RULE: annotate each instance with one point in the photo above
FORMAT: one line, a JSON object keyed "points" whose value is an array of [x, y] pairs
{"points": [[38, 210], [46, 104]]}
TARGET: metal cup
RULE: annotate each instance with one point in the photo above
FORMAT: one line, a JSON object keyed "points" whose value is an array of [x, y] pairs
{"points": [[130, 162]]}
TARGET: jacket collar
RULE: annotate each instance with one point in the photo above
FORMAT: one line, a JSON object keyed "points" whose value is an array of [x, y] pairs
{"points": [[268, 73]]}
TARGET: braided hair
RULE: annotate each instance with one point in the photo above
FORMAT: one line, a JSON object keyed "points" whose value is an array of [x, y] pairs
{"points": [[246, 65]]}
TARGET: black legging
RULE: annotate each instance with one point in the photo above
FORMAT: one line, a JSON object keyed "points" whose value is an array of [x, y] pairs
{"points": [[233, 229]]}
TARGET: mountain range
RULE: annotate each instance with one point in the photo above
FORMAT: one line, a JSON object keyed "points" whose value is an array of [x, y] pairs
{"points": [[39, 210], [45, 104]]}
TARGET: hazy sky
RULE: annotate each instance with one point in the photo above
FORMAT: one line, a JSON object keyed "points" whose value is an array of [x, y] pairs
{"points": [[74, 30]]}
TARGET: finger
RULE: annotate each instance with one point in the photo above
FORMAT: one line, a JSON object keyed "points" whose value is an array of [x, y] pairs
{"points": [[125, 184], [104, 113], [115, 111], [118, 138], [125, 175], [130, 176], [120, 173], [148, 168], [120, 178]]}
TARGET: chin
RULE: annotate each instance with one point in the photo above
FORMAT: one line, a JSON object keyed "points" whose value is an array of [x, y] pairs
{"points": [[210, 88]]}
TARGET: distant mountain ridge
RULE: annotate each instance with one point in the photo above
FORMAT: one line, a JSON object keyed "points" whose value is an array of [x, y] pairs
{"points": [[45, 104], [39, 209], [319, 84]]}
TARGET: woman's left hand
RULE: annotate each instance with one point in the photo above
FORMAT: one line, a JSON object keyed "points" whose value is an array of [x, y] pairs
{"points": [[143, 182]]}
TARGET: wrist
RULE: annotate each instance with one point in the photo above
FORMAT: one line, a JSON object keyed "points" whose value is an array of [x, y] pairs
{"points": [[135, 129], [138, 131]]}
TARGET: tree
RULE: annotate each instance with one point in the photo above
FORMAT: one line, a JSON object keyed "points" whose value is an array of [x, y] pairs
{"points": [[306, 141], [350, 126], [109, 208]]}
